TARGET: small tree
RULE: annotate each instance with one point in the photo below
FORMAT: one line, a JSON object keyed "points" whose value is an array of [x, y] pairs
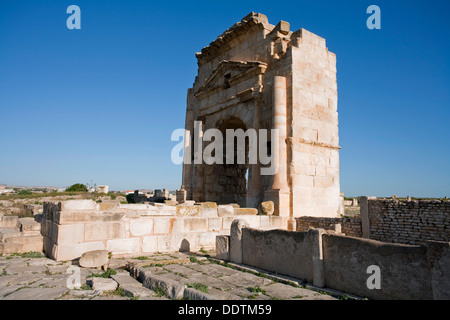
{"points": [[77, 187], [24, 192]]}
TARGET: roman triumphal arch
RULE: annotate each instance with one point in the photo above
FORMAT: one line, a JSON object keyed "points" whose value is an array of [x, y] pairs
{"points": [[262, 76]]}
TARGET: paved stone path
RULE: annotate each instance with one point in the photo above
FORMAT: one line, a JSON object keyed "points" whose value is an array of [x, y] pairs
{"points": [[158, 277]]}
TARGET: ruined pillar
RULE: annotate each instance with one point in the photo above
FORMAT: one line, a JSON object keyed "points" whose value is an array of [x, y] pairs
{"points": [[364, 214], [255, 193], [279, 190], [186, 190]]}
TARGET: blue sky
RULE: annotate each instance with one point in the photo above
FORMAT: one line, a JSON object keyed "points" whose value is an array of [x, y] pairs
{"points": [[99, 104]]}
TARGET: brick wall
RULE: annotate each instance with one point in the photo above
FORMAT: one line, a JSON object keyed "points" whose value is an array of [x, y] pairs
{"points": [[409, 222], [349, 226]]}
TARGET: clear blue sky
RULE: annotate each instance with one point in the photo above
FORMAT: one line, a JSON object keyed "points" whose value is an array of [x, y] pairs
{"points": [[101, 103]]}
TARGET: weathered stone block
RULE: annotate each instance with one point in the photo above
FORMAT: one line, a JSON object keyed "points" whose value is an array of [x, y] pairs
{"points": [[133, 214], [245, 211], [225, 210], [223, 247], [69, 217], [150, 244], [123, 246], [141, 227], [208, 205], [103, 206], [6, 233], [167, 243], [264, 221], [95, 259], [187, 210], [205, 240], [102, 284], [68, 234], [65, 252], [266, 208], [236, 240], [214, 224], [208, 212], [79, 205], [162, 225], [9, 222], [277, 222], [226, 222], [37, 245], [29, 224], [195, 224], [104, 231]]}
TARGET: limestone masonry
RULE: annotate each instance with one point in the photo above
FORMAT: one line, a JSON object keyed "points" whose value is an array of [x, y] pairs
{"points": [[73, 227], [263, 76]]}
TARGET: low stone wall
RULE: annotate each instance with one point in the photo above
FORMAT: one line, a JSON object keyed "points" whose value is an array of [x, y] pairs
{"points": [[73, 227], [339, 262], [404, 269], [348, 226], [293, 255]]}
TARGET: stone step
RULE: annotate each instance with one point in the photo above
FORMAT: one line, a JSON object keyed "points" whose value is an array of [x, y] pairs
{"points": [[9, 222], [9, 248], [29, 224], [24, 239], [22, 244], [8, 233], [131, 286]]}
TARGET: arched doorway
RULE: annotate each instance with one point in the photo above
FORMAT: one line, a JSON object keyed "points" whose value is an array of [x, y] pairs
{"points": [[227, 183]]}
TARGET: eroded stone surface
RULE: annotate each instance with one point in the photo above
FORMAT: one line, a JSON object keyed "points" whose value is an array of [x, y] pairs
{"points": [[46, 279]]}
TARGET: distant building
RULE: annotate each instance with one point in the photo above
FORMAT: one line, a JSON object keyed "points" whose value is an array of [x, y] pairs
{"points": [[5, 191], [102, 189]]}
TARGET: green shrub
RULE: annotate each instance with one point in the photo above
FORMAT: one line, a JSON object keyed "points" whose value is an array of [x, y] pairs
{"points": [[105, 274], [77, 187], [32, 254], [198, 286]]}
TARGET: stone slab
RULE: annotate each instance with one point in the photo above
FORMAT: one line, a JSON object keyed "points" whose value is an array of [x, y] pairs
{"points": [[283, 292], [36, 294], [102, 284]]}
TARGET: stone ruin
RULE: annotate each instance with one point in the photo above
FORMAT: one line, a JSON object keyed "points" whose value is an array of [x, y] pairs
{"points": [[257, 75], [263, 76], [160, 196], [73, 227]]}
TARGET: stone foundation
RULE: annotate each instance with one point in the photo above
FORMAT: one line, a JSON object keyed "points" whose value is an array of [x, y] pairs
{"points": [[73, 227]]}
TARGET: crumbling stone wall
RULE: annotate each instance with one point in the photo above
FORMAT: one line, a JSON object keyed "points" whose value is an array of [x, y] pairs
{"points": [[410, 222], [349, 226], [407, 222], [73, 227]]}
